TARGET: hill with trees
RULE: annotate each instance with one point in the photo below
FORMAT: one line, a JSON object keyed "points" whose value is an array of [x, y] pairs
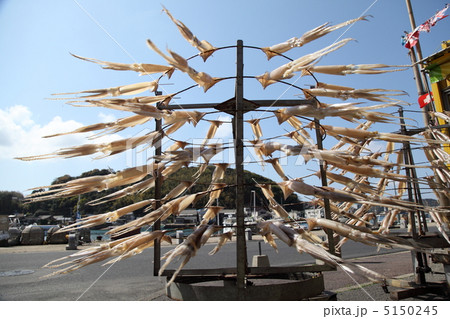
{"points": [[10, 202], [68, 206]]}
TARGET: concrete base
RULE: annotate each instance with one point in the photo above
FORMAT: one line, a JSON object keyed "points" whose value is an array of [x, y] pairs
{"points": [[435, 288], [324, 296], [258, 289], [179, 236], [72, 242], [447, 274], [260, 261]]}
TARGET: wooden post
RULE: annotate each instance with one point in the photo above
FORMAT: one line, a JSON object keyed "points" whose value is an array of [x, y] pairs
{"points": [[238, 132], [418, 76]]}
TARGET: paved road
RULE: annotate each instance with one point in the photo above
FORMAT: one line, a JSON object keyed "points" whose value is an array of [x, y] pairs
{"points": [[132, 279]]}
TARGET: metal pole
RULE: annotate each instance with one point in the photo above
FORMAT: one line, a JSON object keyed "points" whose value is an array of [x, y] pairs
{"points": [[423, 227], [323, 177], [420, 83], [158, 196], [254, 203], [238, 121], [406, 150], [419, 271]]}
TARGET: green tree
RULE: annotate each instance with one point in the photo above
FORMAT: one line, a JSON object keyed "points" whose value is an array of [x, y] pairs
{"points": [[10, 202]]}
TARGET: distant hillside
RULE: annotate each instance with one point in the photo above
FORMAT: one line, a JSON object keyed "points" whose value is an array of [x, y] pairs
{"points": [[430, 202], [227, 197], [67, 206]]}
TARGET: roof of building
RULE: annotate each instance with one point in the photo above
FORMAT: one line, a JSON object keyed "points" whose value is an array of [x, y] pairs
{"points": [[432, 58]]}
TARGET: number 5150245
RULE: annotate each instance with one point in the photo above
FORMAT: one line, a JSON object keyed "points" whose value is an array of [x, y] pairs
{"points": [[410, 310]]}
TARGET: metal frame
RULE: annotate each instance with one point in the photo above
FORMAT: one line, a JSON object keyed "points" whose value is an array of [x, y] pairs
{"points": [[258, 271], [236, 107]]}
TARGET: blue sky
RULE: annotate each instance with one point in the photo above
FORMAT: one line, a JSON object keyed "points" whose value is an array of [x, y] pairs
{"points": [[37, 36]]}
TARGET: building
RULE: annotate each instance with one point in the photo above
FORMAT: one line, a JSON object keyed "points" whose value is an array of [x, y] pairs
{"points": [[314, 212], [437, 66]]}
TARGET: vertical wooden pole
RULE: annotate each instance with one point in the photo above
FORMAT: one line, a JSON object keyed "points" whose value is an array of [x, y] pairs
{"points": [[323, 177], [241, 250], [418, 76], [158, 186], [412, 22]]}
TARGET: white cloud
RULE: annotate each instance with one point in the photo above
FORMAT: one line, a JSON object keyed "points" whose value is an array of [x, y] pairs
{"points": [[20, 114], [106, 118], [376, 146], [20, 135], [226, 129]]}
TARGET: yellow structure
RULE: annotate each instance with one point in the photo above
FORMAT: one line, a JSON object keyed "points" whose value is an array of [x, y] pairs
{"points": [[437, 67]]}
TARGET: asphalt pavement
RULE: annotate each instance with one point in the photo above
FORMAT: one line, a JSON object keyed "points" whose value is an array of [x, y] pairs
{"points": [[132, 279]]}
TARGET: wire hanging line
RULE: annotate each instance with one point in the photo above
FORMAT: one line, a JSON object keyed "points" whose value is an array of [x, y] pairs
{"points": [[234, 47]]}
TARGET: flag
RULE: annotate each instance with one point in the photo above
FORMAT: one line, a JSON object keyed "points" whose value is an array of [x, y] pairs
{"points": [[425, 99], [411, 39], [438, 72], [425, 27], [438, 16]]}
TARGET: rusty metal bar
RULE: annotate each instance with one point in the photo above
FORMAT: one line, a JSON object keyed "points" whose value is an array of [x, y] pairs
{"points": [[323, 177], [418, 196], [283, 103], [406, 150], [419, 271], [158, 196], [230, 271], [414, 131], [238, 121]]}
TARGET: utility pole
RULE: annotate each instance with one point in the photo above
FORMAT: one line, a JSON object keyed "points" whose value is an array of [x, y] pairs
{"points": [[418, 74]]}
